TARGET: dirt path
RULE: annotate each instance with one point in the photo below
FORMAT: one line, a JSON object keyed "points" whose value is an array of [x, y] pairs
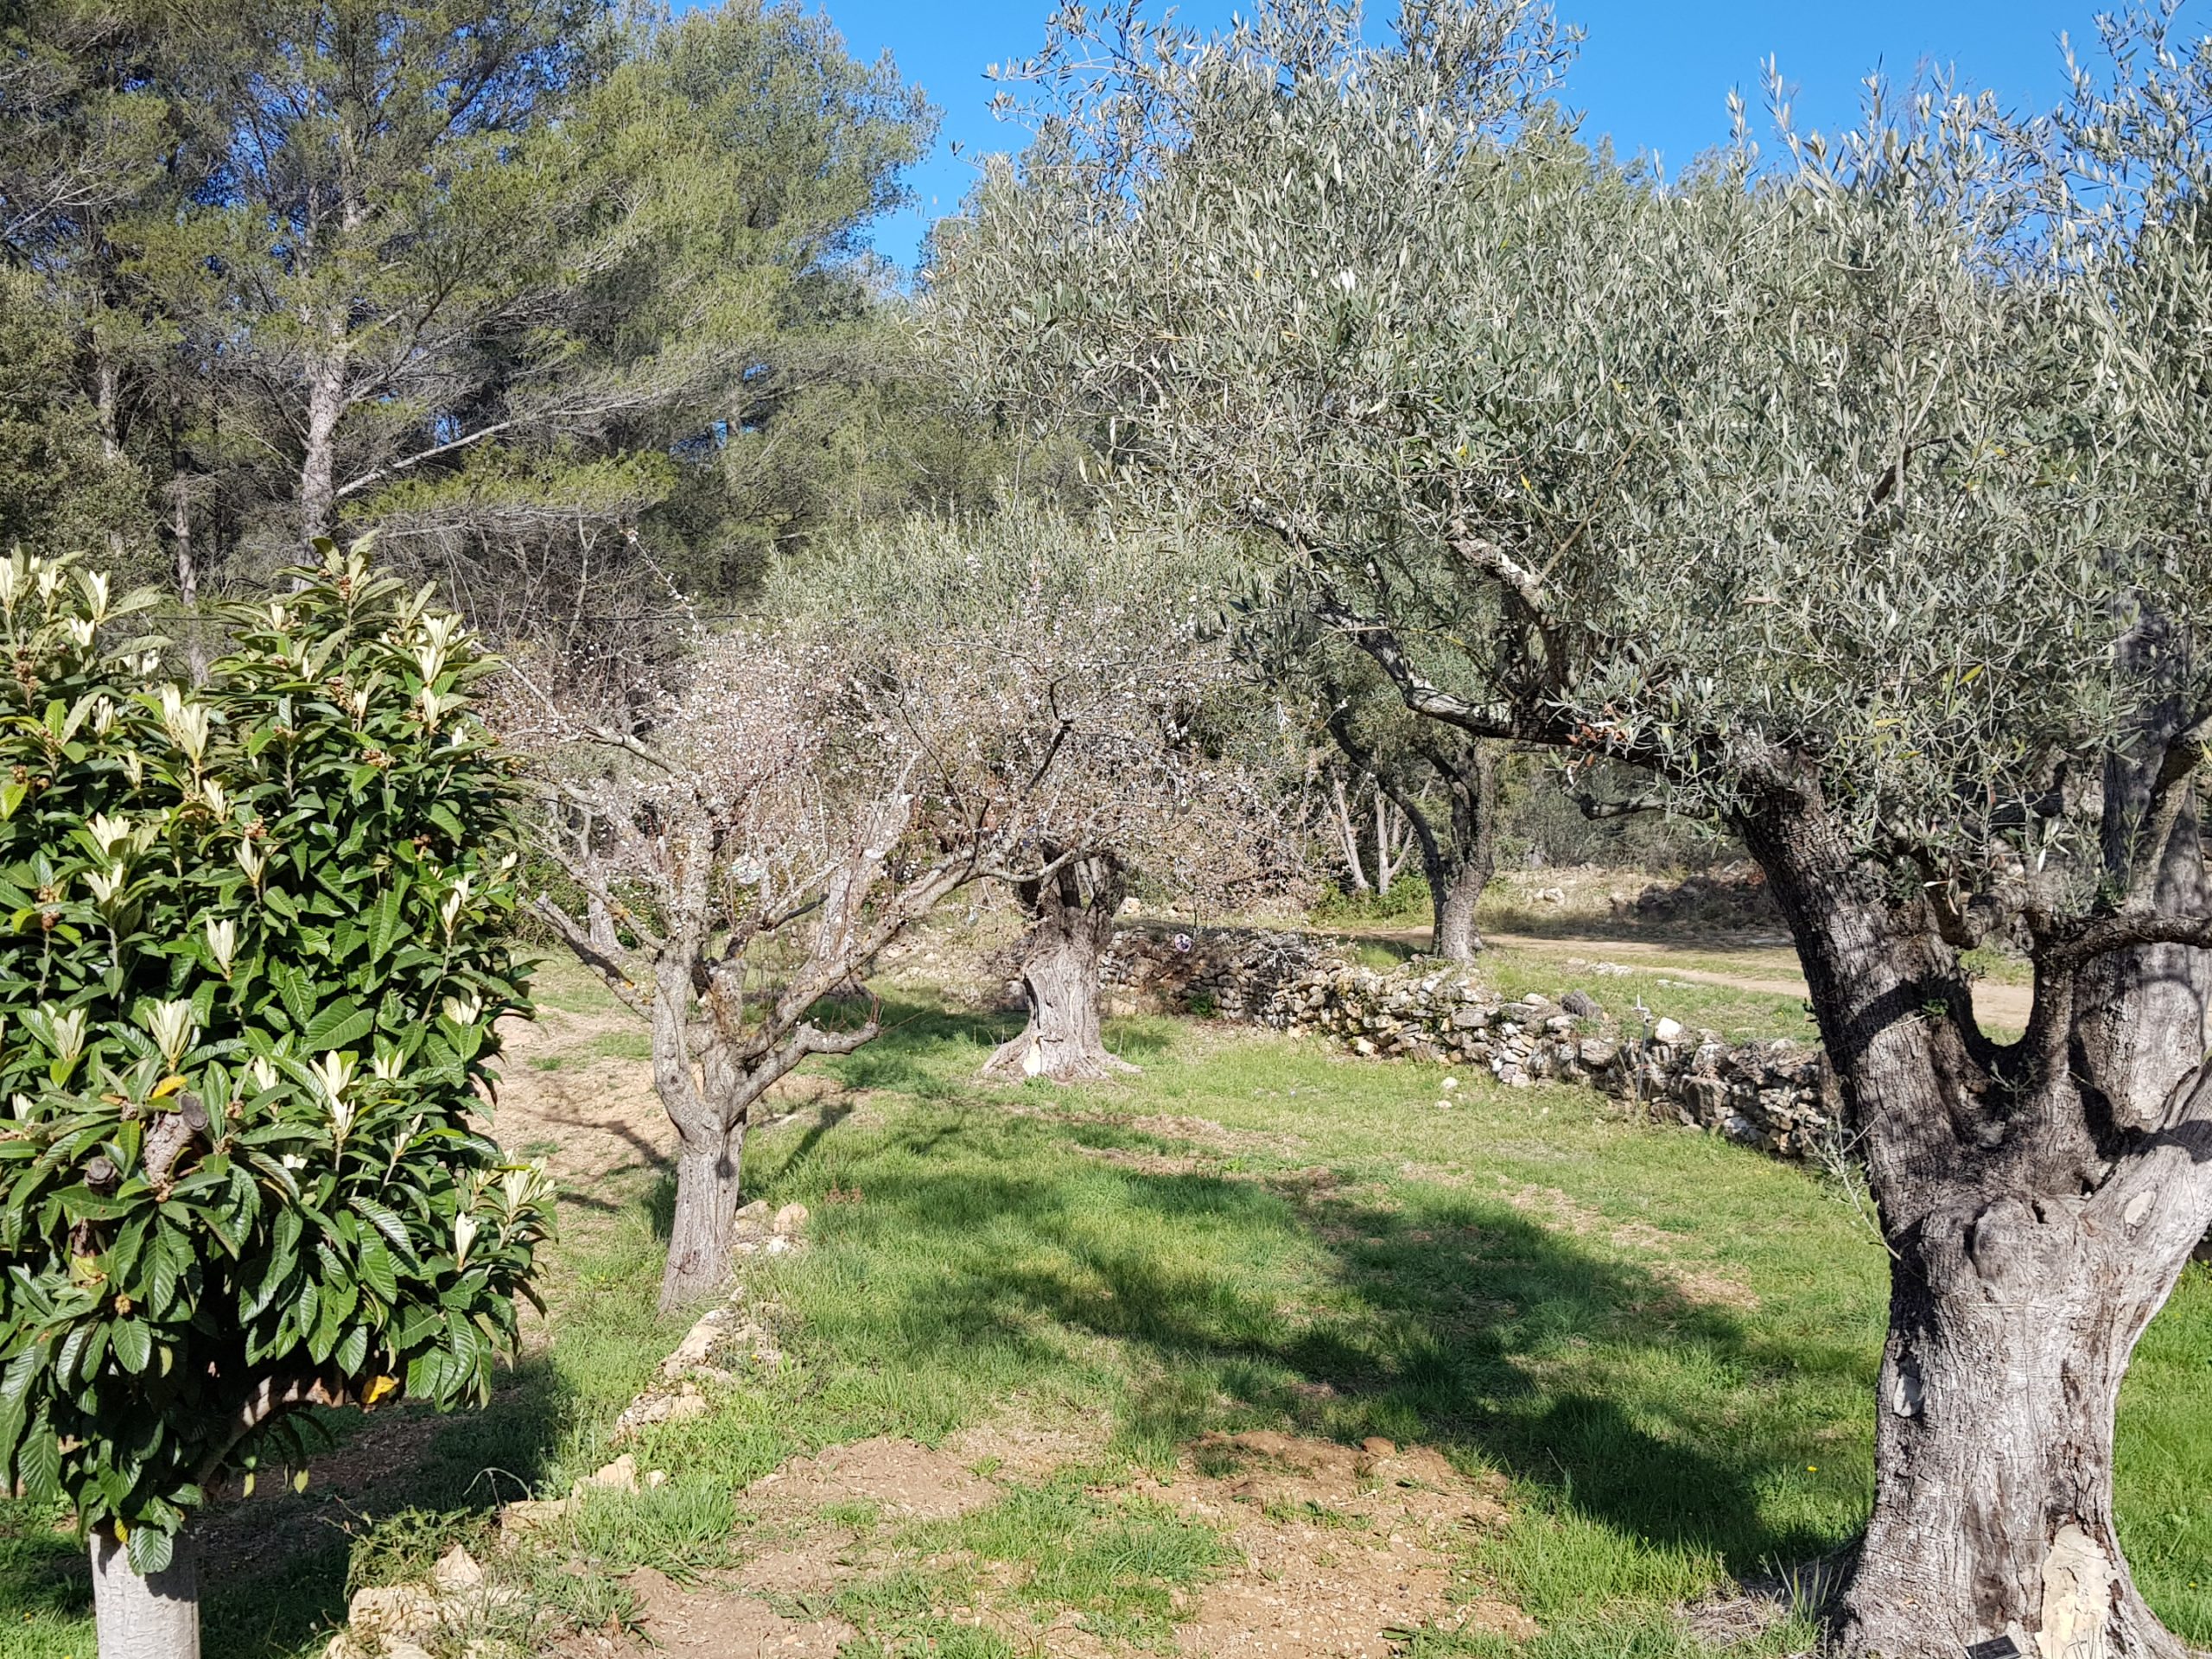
{"points": [[1764, 970]]}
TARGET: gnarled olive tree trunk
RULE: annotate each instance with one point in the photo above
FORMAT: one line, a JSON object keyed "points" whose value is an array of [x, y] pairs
{"points": [[145, 1615], [2012, 1323], [1072, 911], [2039, 1200]]}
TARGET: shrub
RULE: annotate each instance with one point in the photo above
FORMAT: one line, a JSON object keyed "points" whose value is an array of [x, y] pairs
{"points": [[252, 942]]}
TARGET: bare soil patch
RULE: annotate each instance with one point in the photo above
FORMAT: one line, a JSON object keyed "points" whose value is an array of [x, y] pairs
{"points": [[903, 1478], [816, 1568], [1021, 1446], [1343, 1548], [710, 1622], [1339, 1550], [592, 1118]]}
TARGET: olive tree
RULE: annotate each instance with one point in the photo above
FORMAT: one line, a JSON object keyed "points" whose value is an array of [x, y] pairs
{"points": [[744, 849], [1408, 760], [1858, 498], [1458, 857], [1079, 680], [256, 936]]}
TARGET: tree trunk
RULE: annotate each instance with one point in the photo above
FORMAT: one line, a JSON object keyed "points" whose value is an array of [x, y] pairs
{"points": [[1456, 873], [187, 578], [1455, 937], [1349, 831], [2011, 1327], [1390, 844], [706, 1171], [2034, 1226], [145, 1616], [108, 381], [319, 455], [598, 924], [1457, 878], [1075, 910]]}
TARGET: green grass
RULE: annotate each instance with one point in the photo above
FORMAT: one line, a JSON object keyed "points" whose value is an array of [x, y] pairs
{"points": [[1665, 1345], [623, 1045]]}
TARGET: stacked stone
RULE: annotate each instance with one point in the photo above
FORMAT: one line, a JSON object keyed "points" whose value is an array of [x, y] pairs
{"points": [[1233, 973], [1778, 1096], [1771, 1096]]}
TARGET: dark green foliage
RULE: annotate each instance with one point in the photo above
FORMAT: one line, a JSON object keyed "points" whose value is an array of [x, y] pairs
{"points": [[255, 941], [576, 302], [59, 489]]}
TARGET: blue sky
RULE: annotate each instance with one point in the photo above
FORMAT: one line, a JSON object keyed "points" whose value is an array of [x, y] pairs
{"points": [[1655, 74]]}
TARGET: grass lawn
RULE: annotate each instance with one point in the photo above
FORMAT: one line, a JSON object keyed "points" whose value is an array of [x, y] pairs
{"points": [[1662, 1346]]}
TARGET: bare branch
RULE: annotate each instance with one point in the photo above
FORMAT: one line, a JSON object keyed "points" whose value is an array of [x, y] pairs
{"points": [[1380, 641], [578, 939], [2125, 931], [1598, 810]]}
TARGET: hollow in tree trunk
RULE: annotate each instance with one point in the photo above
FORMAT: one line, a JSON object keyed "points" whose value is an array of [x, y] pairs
{"points": [[1074, 909], [145, 1616]]}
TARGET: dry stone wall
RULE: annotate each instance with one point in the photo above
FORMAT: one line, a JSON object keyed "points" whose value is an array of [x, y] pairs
{"points": [[1777, 1096]]}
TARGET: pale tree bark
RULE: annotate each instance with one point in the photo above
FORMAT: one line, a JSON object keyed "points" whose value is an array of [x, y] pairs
{"points": [[326, 408], [1392, 842], [692, 1075], [2141, 1013], [598, 921], [145, 1616], [1349, 833], [156, 1615], [108, 401], [188, 577], [713, 1057], [709, 1071], [1072, 911]]}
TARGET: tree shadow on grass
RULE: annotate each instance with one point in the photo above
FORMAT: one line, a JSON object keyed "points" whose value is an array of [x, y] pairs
{"points": [[932, 1052], [1452, 1320]]}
